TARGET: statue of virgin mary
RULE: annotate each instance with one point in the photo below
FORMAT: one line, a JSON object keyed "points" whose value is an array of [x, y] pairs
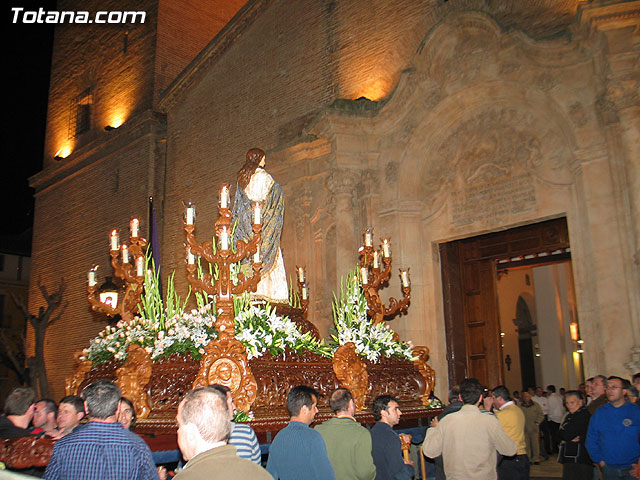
{"points": [[256, 185]]}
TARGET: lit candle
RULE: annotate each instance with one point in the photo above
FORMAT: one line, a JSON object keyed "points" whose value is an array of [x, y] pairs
{"points": [[386, 248], [125, 254], [364, 275], [257, 213], [190, 213], [368, 237], [224, 239], [115, 240], [301, 274], [224, 196], [256, 256], [134, 226], [191, 258], [140, 266], [305, 291], [92, 277], [404, 277], [376, 259]]}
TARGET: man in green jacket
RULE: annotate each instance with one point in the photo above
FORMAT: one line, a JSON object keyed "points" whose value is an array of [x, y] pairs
{"points": [[348, 442], [533, 417]]}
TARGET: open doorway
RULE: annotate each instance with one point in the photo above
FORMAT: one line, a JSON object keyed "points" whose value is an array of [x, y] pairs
{"points": [[509, 307], [536, 305]]}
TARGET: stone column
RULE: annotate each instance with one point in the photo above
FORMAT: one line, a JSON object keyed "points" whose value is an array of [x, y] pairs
{"points": [[342, 183], [618, 25]]}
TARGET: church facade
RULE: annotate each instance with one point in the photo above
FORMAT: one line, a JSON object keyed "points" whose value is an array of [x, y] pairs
{"points": [[432, 122]]}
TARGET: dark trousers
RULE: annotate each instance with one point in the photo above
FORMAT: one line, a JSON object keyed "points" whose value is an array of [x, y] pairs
{"points": [[553, 433], [546, 437], [613, 473], [514, 468], [577, 471]]}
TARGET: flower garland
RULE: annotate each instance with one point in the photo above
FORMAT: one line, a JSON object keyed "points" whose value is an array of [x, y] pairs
{"points": [[353, 325]]}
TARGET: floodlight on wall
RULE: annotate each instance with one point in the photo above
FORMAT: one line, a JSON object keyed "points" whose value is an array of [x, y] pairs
{"points": [[108, 128]]}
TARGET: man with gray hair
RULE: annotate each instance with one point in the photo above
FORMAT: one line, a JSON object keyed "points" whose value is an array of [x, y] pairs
{"points": [[102, 448], [204, 425]]}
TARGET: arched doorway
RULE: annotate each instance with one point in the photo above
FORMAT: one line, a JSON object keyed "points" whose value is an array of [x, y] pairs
{"points": [[499, 344]]}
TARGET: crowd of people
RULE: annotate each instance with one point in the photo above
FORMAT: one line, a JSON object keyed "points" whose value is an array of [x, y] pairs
{"points": [[488, 434], [480, 434], [94, 437]]}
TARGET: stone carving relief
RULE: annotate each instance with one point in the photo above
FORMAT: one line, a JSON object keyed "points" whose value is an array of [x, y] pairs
{"points": [[487, 164]]}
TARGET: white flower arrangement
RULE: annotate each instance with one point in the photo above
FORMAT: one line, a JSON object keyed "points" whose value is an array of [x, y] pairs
{"points": [[260, 329], [352, 324]]}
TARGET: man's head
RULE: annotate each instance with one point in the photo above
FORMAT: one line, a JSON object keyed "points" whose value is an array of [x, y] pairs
{"points": [[203, 421], [302, 404], [635, 380], [101, 400], [341, 402], [526, 398], [551, 389], [531, 391], [70, 412], [598, 386], [539, 391], [45, 414], [471, 391], [501, 395], [615, 390], [386, 410], [21, 401]]}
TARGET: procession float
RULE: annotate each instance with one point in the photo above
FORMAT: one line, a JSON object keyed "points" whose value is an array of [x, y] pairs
{"points": [[242, 325]]}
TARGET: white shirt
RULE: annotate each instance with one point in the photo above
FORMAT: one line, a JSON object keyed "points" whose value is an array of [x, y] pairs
{"points": [[556, 407]]}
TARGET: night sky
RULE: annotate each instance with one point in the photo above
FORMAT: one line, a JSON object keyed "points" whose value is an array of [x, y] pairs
{"points": [[27, 65]]}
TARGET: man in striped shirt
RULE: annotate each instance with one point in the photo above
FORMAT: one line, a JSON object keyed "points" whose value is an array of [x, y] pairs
{"points": [[242, 435]]}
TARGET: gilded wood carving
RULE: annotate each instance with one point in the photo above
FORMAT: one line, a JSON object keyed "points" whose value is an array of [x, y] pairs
{"points": [[225, 362], [133, 377], [352, 373], [73, 382]]}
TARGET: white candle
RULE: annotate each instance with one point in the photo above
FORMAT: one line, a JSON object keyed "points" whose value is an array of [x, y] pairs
{"points": [[257, 214], [140, 266], [125, 254], [376, 259], [224, 239], [368, 237], [364, 275], [386, 248], [191, 258], [92, 278], [224, 197], [305, 291], [115, 240], [301, 274], [256, 256], [190, 214], [134, 226], [404, 277]]}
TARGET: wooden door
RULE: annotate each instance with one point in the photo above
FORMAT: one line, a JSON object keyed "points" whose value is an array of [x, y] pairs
{"points": [[472, 324], [471, 310]]}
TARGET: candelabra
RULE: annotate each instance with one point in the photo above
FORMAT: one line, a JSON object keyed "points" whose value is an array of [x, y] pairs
{"points": [[375, 271], [131, 274], [222, 256]]}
